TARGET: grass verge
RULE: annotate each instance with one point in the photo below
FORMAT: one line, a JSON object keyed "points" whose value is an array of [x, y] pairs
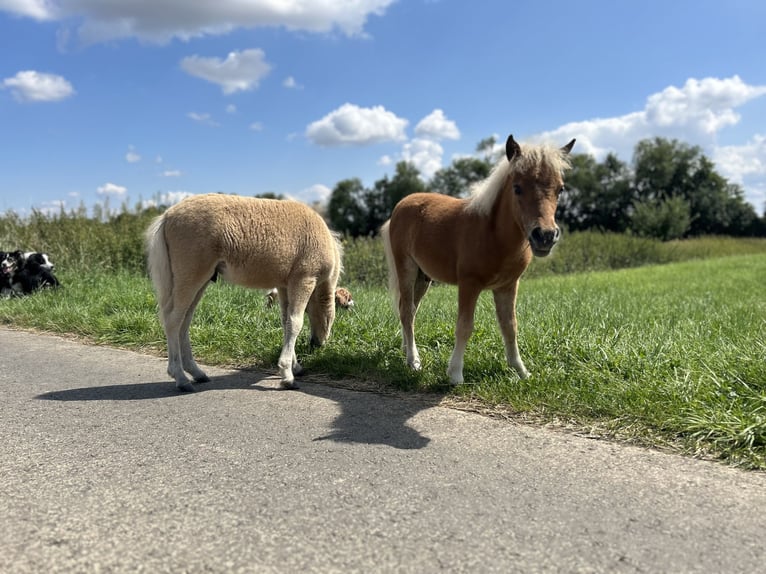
{"points": [[669, 355]]}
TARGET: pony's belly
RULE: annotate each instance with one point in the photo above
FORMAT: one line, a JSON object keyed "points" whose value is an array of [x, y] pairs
{"points": [[252, 277]]}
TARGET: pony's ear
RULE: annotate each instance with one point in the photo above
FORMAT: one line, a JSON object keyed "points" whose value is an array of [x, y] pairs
{"points": [[567, 148], [512, 149]]}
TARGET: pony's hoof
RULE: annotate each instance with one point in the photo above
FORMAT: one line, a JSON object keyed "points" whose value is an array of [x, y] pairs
{"points": [[414, 364], [289, 385], [186, 387], [202, 379], [456, 381]]}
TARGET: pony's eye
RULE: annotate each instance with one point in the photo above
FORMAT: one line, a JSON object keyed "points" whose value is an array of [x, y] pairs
{"points": [[561, 190], [516, 189]]}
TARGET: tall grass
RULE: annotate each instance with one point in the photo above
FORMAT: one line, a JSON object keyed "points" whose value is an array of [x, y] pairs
{"points": [[114, 241]]}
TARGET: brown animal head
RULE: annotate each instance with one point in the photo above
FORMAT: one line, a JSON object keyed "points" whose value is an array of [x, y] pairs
{"points": [[536, 181], [343, 298]]}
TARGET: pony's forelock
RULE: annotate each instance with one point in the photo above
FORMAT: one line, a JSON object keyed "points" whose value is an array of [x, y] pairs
{"points": [[533, 158]]}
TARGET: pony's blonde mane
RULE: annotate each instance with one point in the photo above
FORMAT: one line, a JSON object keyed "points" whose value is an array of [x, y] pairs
{"points": [[534, 160]]}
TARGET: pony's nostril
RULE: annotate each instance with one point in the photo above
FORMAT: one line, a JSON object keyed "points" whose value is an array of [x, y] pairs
{"points": [[544, 238]]}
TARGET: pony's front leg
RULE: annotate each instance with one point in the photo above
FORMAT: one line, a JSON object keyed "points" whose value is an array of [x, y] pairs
{"points": [[466, 306], [505, 308]]}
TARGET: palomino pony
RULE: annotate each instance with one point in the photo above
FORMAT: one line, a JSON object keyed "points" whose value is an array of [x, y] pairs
{"points": [[483, 242], [253, 242]]}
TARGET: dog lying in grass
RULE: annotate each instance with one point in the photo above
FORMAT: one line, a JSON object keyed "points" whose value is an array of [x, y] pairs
{"points": [[343, 298], [22, 273]]}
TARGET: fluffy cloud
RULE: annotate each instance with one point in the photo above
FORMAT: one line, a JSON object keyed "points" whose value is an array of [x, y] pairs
{"points": [[37, 9], [436, 126], [166, 198], [316, 192], [111, 189], [32, 86], [132, 156], [162, 20], [692, 113], [424, 154], [239, 72], [352, 125], [290, 83], [204, 119], [738, 162]]}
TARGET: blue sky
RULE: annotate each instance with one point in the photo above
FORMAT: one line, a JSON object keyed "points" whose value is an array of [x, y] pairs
{"points": [[127, 101]]}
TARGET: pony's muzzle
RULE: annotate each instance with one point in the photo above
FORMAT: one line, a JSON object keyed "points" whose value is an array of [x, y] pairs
{"points": [[543, 240]]}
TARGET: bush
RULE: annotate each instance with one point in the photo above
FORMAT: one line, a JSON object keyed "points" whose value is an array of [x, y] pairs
{"points": [[664, 220]]}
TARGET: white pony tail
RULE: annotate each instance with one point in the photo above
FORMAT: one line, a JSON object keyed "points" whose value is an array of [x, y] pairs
{"points": [[158, 262], [393, 280]]}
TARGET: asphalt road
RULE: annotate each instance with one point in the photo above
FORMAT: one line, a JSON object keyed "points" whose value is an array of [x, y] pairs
{"points": [[105, 468]]}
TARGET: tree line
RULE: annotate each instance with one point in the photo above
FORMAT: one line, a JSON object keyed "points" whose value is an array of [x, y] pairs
{"points": [[670, 190]]}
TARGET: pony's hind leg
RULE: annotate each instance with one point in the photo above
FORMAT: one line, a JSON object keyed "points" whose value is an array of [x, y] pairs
{"points": [[283, 317], [187, 359], [298, 295], [176, 318], [505, 308], [408, 275]]}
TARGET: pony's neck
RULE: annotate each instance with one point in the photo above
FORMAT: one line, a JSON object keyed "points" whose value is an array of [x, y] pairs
{"points": [[504, 221]]}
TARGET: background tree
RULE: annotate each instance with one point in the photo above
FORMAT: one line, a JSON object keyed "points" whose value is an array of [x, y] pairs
{"points": [[346, 209], [663, 219], [456, 180], [668, 168], [597, 196]]}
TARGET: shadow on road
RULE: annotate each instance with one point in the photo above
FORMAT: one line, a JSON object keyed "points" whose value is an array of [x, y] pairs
{"points": [[365, 417]]}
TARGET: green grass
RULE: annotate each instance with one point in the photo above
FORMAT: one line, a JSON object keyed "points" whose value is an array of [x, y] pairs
{"points": [[671, 355]]}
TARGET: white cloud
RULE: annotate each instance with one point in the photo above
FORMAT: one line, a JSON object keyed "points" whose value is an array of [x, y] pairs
{"points": [[316, 192], [256, 127], [424, 154], [737, 162], [172, 173], [695, 114], [132, 156], [37, 9], [352, 125], [385, 161], [162, 20], [32, 86], [166, 198], [111, 189], [204, 119], [239, 72], [290, 83], [436, 126], [231, 109]]}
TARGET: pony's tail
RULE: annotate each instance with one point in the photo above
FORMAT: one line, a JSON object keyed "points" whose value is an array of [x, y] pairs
{"points": [[393, 280], [158, 262], [338, 271]]}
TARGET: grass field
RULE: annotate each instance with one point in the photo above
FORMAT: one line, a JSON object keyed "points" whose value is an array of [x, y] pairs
{"points": [[667, 355]]}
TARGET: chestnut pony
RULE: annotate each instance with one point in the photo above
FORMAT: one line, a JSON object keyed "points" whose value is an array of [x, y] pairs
{"points": [[483, 242]]}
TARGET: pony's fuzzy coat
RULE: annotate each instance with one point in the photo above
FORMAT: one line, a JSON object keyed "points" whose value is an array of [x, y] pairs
{"points": [[258, 243]]}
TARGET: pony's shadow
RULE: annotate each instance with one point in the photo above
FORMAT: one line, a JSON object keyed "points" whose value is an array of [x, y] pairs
{"points": [[365, 417]]}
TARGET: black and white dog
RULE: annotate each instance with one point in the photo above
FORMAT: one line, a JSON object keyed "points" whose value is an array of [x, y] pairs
{"points": [[23, 273]]}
